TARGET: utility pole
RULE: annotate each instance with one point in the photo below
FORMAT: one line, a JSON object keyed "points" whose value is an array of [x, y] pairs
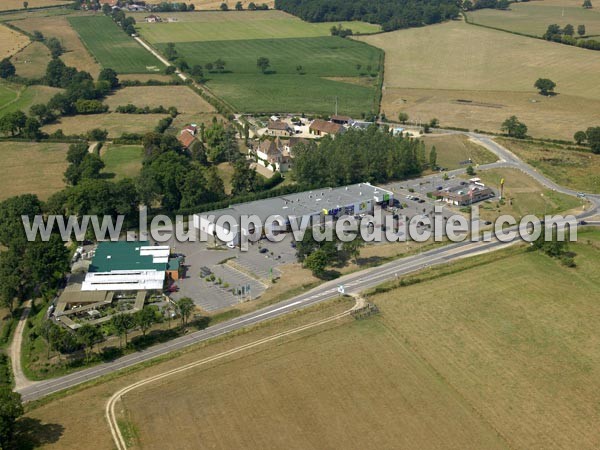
{"points": [[336, 105]]}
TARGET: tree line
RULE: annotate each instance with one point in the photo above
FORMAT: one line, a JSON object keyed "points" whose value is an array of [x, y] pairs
{"points": [[566, 36], [390, 14]]}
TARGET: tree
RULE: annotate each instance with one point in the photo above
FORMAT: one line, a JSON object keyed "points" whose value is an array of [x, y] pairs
{"points": [[470, 171], [106, 9], [434, 123], [31, 130], [402, 117], [88, 335], [263, 64], [170, 51], [122, 323], [587, 4], [209, 67], [220, 65], [13, 123], [553, 33], [145, 318], [545, 86], [42, 113], [244, 179], [224, 7], [569, 30], [593, 138], [55, 47], [7, 69], [580, 137], [503, 4], [300, 70], [433, 158], [252, 6], [185, 306], [239, 6], [352, 248], [10, 410], [581, 30], [316, 262], [514, 128], [25, 5], [110, 76]]}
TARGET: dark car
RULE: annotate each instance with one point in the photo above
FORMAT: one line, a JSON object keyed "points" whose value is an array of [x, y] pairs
{"points": [[205, 271], [421, 200], [263, 250]]}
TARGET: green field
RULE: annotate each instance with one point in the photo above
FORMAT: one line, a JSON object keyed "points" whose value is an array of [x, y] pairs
{"points": [[13, 97], [220, 26], [534, 17], [283, 89], [452, 149], [112, 47], [122, 160]]}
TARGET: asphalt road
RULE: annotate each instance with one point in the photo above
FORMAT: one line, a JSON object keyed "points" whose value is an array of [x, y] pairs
{"points": [[352, 283]]}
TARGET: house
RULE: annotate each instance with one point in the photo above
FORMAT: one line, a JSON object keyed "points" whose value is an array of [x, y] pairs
{"points": [[192, 128], [152, 19], [292, 142], [321, 127], [341, 120], [186, 138], [279, 128], [273, 155], [136, 8]]}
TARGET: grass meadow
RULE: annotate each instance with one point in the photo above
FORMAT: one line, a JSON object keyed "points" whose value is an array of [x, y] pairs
{"points": [[578, 170], [112, 47], [14, 97], [76, 55], [31, 62], [115, 124], [533, 18], [235, 26], [283, 88], [452, 149], [468, 76], [31, 168]]}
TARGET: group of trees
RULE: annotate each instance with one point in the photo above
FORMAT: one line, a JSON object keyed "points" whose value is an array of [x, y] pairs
{"points": [[196, 71], [82, 164], [132, 109], [358, 155], [127, 23], [390, 14], [469, 5], [173, 7], [514, 128], [591, 136], [340, 31], [240, 7], [566, 35]]}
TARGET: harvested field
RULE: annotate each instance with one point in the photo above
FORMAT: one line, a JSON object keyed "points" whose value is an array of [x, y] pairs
{"points": [[76, 54], [31, 62], [35, 168], [488, 76], [6, 5], [183, 98], [11, 42], [116, 124]]}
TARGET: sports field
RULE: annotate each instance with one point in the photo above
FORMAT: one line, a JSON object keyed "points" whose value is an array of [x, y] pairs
{"points": [[112, 47], [468, 76], [534, 17], [576, 169], [76, 54], [31, 62], [11, 41], [235, 26], [122, 160], [29, 167]]}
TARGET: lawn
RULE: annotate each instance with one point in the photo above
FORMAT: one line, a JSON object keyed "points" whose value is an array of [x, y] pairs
{"points": [[35, 168], [523, 195], [472, 77], [578, 170], [283, 88], [76, 54], [112, 47], [514, 367], [221, 26], [14, 97], [11, 41], [115, 124], [122, 160], [534, 17], [454, 149], [31, 62]]}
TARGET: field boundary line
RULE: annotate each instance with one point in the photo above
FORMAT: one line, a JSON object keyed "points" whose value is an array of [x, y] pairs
{"points": [[109, 410]]}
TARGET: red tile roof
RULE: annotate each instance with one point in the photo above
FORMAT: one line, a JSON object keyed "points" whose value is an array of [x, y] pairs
{"points": [[186, 138]]}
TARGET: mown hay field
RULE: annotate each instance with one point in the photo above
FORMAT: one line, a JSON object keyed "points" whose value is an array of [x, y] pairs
{"points": [[31, 62], [115, 124], [11, 42], [7, 5], [534, 17], [182, 97], [469, 76], [31, 168]]}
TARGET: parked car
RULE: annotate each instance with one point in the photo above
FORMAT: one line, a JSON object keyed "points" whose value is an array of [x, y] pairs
{"points": [[263, 250], [205, 271]]}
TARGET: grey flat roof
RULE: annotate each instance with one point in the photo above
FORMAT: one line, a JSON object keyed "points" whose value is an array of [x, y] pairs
{"points": [[304, 203]]}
